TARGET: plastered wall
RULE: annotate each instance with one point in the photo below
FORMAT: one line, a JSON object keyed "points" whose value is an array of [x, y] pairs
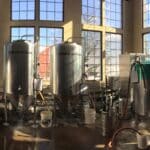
{"points": [[137, 25]]}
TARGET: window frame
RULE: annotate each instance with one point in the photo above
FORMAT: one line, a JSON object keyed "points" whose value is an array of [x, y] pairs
{"points": [[101, 20], [22, 27], [143, 16], [122, 18], [49, 27], [143, 41], [121, 49], [63, 14], [100, 57], [11, 13]]}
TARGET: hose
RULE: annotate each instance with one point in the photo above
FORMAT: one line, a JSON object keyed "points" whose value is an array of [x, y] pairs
{"points": [[111, 142], [128, 91]]}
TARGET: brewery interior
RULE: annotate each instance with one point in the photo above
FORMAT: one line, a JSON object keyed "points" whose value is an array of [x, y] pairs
{"points": [[74, 74]]}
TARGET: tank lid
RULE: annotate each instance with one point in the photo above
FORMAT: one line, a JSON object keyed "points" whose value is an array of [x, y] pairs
{"points": [[67, 42], [20, 40]]}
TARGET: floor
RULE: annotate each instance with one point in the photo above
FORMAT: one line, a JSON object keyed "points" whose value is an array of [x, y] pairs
{"points": [[65, 137], [60, 138]]}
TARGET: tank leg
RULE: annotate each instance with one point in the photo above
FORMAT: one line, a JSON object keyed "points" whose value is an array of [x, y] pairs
{"points": [[14, 101], [6, 113], [65, 107], [35, 124]]}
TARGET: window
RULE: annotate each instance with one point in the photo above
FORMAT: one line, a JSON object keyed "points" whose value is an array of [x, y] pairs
{"points": [[26, 33], [91, 12], [23, 10], [146, 43], [113, 13], [48, 37], [113, 50], [146, 13], [51, 10], [92, 45]]}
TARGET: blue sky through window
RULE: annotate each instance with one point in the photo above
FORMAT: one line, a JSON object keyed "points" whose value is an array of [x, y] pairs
{"points": [[26, 33], [113, 50], [23, 10], [113, 13], [48, 38], [91, 12], [51, 10], [146, 13], [146, 43], [92, 45]]}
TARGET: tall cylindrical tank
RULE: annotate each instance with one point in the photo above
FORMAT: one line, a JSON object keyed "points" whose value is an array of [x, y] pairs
{"points": [[19, 69], [141, 91], [67, 66]]}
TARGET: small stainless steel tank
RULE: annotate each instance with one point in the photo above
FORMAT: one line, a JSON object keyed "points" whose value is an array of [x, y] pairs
{"points": [[19, 69], [66, 68]]}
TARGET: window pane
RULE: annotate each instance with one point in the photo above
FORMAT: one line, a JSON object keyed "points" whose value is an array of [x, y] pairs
{"points": [[91, 10], [92, 46], [146, 43], [48, 37], [23, 10], [146, 13], [26, 33], [113, 50], [113, 13], [51, 10]]}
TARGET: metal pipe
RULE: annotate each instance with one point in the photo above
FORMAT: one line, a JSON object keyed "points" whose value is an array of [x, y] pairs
{"points": [[4, 87], [36, 48]]}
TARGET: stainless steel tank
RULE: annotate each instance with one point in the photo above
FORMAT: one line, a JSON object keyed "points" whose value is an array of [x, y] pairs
{"points": [[141, 92], [66, 71], [19, 70]]}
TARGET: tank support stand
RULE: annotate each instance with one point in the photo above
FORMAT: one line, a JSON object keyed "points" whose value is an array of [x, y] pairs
{"points": [[5, 111]]}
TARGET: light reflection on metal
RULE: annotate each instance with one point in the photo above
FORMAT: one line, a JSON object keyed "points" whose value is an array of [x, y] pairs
{"points": [[24, 137], [67, 66], [19, 71], [99, 146]]}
